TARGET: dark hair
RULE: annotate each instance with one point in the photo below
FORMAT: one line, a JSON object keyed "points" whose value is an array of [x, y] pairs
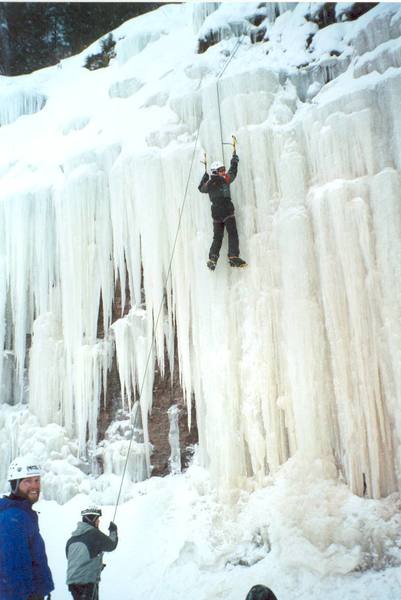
{"points": [[260, 592], [90, 519], [14, 483]]}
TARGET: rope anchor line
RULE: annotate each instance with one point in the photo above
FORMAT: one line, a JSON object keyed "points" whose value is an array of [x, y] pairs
{"points": [[239, 42], [168, 274]]}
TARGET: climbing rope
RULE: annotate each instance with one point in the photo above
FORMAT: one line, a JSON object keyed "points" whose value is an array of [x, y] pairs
{"points": [[170, 264], [233, 53], [158, 316]]}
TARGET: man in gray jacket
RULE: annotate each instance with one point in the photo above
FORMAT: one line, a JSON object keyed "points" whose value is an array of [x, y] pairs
{"points": [[84, 552]]}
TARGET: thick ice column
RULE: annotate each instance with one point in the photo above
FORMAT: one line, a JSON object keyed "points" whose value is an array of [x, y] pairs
{"points": [[47, 371], [28, 274], [386, 219], [136, 362], [43, 268], [216, 337], [85, 273], [263, 385], [90, 363], [302, 324], [80, 205], [180, 216], [174, 440], [351, 300], [148, 199], [125, 230], [17, 247]]}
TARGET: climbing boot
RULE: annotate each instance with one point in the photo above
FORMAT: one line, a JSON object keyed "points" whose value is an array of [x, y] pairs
{"points": [[236, 261], [211, 264]]}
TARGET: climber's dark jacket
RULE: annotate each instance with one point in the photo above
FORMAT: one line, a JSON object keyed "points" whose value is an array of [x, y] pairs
{"points": [[218, 189], [84, 552]]}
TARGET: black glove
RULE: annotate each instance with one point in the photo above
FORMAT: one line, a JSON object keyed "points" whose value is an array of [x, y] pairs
{"points": [[112, 526], [235, 158], [204, 178]]}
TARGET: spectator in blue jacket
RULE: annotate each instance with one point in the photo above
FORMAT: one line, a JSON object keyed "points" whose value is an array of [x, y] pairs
{"points": [[24, 572]]}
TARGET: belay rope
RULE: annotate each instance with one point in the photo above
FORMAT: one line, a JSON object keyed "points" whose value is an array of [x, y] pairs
{"points": [[158, 318], [219, 76], [171, 261]]}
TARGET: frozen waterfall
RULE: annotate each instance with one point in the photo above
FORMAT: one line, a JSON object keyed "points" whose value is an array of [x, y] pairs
{"points": [[298, 355]]}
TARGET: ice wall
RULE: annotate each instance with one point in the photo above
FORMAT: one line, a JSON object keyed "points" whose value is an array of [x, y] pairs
{"points": [[18, 101], [296, 355]]}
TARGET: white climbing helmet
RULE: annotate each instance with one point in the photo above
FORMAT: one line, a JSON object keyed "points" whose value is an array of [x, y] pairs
{"points": [[23, 467], [92, 511], [215, 166]]}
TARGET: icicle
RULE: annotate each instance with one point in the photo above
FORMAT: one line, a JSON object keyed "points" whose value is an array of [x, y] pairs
{"points": [[15, 103], [114, 449], [46, 388], [174, 440], [135, 359]]}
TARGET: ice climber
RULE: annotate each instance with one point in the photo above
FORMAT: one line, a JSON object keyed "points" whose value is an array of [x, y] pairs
{"points": [[84, 552], [260, 592], [218, 188], [24, 572]]}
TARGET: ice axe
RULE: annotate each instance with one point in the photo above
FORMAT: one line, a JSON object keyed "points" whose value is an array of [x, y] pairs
{"points": [[233, 143]]}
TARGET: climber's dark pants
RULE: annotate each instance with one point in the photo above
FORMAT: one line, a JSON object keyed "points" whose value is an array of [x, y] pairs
{"points": [[84, 591], [218, 232]]}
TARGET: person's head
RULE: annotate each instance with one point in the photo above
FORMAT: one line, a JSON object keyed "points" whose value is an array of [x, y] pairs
{"points": [[24, 478], [91, 515], [260, 592], [218, 168]]}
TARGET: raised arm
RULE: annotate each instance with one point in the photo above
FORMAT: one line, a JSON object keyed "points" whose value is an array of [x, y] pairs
{"points": [[100, 542], [232, 171], [202, 187]]}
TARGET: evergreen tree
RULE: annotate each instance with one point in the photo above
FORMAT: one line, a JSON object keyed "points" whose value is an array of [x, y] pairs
{"points": [[38, 34], [5, 51]]}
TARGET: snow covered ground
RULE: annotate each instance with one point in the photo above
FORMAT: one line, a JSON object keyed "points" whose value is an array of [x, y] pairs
{"points": [[178, 540], [295, 363]]}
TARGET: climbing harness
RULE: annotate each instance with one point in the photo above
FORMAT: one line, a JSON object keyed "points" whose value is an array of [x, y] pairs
{"points": [[181, 210]]}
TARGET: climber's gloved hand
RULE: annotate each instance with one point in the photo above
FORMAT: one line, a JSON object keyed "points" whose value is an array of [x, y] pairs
{"points": [[204, 178], [235, 157], [112, 527]]}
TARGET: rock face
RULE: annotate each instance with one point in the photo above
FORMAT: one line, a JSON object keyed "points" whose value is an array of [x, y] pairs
{"points": [[167, 392]]}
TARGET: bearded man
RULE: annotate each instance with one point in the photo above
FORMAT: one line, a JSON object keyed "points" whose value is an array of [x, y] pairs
{"points": [[24, 572]]}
